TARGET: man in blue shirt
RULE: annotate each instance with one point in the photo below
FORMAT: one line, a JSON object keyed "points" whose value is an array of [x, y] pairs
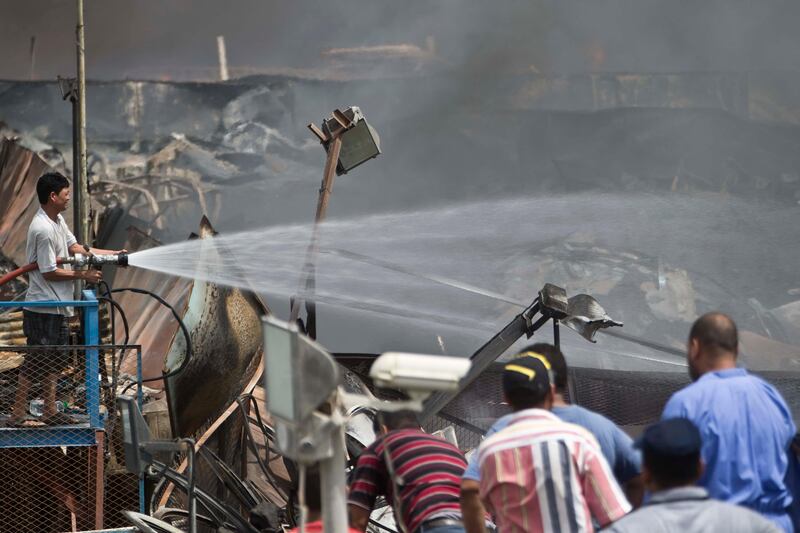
{"points": [[616, 445], [744, 422]]}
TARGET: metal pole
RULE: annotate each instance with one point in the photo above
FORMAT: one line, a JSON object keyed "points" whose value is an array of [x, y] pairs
{"points": [[190, 486], [556, 334], [81, 189], [223, 58], [32, 73], [325, 191], [333, 483], [76, 205], [327, 179]]}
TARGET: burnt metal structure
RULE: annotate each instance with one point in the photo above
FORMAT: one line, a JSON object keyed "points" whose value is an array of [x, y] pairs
{"points": [[550, 304], [349, 141]]}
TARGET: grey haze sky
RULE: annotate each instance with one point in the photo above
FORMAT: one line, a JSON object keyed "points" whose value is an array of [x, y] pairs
{"points": [[170, 38]]}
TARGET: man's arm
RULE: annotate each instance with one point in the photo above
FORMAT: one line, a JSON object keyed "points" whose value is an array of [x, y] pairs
{"points": [[365, 485], [48, 266], [472, 511], [628, 467], [59, 274], [605, 499], [81, 249], [357, 516]]}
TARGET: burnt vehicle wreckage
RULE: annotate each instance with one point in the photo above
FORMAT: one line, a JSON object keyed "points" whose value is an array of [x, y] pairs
{"points": [[164, 155]]}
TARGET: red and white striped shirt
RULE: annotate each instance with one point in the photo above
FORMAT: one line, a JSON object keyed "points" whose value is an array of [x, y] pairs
{"points": [[543, 474]]}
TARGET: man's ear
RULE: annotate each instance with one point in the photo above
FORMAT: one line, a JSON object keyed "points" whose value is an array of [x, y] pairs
{"points": [[647, 478], [693, 349]]}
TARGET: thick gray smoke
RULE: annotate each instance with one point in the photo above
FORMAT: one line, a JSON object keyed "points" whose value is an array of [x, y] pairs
{"points": [[176, 38], [570, 109]]}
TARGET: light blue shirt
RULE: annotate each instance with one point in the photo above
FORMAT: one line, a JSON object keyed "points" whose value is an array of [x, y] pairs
{"points": [[746, 429], [617, 447], [690, 510]]}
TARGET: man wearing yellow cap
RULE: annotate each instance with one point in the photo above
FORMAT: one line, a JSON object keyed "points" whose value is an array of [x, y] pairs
{"points": [[541, 473], [615, 445]]}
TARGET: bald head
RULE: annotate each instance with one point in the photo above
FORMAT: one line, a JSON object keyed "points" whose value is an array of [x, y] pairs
{"points": [[716, 332]]}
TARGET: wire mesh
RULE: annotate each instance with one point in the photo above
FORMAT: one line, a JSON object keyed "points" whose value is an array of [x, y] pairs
{"points": [[42, 387], [629, 399], [61, 459]]}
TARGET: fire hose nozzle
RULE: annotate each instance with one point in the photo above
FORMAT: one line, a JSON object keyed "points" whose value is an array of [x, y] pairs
{"points": [[80, 260]]}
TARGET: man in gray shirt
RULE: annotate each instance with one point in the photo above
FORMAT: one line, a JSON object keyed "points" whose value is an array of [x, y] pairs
{"points": [[48, 239], [671, 467]]}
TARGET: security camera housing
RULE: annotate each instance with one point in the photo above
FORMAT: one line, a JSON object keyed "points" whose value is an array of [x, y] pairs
{"points": [[418, 374]]}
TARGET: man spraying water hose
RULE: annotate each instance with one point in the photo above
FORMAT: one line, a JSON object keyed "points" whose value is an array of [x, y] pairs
{"points": [[49, 239]]}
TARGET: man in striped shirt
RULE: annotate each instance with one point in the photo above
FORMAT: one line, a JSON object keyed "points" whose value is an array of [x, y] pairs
{"points": [[540, 473], [418, 472]]}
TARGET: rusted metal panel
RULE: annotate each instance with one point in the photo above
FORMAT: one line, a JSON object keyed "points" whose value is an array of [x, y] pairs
{"points": [[20, 168], [151, 325], [225, 331]]}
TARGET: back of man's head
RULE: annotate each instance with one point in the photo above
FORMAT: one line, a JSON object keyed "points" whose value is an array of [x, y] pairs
{"points": [[716, 334], [526, 383], [404, 419], [554, 356], [671, 454], [49, 183]]}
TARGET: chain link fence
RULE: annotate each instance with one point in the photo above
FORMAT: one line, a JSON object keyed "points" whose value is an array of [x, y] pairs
{"points": [[632, 400], [61, 458]]}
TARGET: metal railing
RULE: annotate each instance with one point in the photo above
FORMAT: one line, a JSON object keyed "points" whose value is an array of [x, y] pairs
{"points": [[62, 465]]}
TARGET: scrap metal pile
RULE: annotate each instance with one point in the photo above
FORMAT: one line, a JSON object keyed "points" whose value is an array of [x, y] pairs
{"points": [[163, 156]]}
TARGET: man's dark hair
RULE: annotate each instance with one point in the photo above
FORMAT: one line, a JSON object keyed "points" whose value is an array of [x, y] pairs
{"points": [[716, 331], [558, 365], [396, 420], [52, 182], [670, 471], [519, 399]]}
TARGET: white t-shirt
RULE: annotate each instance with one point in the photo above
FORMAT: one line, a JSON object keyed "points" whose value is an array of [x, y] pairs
{"points": [[48, 240]]}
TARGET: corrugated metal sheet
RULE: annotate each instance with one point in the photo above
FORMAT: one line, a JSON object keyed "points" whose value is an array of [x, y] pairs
{"points": [[151, 324], [19, 170], [225, 330]]}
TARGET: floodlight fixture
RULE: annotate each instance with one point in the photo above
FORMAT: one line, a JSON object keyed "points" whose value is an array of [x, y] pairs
{"points": [[586, 316], [554, 302], [135, 433], [359, 141], [141, 450], [68, 88], [299, 374], [349, 141]]}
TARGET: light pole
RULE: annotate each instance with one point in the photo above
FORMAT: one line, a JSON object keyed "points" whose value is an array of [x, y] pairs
{"points": [[349, 141], [80, 186]]}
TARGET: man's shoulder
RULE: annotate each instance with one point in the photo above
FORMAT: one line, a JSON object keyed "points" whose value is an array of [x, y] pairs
{"points": [[412, 437], [707, 511], [594, 422], [688, 395], [635, 520], [524, 430], [748, 519], [499, 424], [39, 223]]}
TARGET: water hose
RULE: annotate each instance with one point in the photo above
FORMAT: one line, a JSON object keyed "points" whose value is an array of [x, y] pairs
{"points": [[77, 260], [21, 270]]}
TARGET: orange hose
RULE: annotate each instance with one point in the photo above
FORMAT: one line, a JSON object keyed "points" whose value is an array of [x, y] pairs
{"points": [[22, 270]]}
